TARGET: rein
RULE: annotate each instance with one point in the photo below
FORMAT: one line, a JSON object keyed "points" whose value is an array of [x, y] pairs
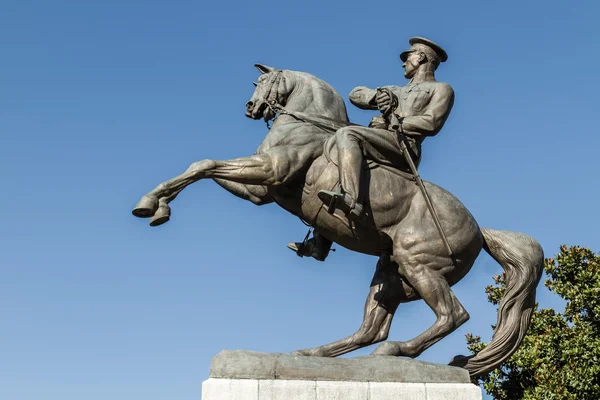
{"points": [[326, 123], [271, 99]]}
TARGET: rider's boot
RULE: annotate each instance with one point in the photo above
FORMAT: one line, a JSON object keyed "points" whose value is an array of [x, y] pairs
{"points": [[317, 247], [341, 200]]}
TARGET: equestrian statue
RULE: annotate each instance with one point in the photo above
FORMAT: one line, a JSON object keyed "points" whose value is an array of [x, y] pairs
{"points": [[359, 187]]}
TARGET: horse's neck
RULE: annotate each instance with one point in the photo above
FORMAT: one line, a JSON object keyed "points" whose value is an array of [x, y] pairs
{"points": [[311, 96]]}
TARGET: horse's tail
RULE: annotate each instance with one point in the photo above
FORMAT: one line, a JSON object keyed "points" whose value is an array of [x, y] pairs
{"points": [[522, 259]]}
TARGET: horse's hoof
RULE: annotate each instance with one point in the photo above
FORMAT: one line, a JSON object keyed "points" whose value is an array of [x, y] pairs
{"points": [[162, 215], [387, 349], [146, 207]]}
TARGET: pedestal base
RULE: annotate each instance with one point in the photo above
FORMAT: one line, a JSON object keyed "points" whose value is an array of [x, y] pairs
{"points": [[276, 389], [246, 375]]}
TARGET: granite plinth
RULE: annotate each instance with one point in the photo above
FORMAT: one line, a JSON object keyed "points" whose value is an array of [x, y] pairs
{"points": [[269, 389]]}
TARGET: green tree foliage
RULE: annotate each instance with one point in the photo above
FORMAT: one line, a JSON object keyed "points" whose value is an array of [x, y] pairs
{"points": [[559, 358]]}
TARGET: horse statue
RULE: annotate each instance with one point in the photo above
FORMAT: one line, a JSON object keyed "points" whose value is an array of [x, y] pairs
{"points": [[297, 159]]}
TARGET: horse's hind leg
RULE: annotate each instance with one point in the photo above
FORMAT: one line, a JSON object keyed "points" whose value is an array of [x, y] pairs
{"points": [[421, 270], [384, 297]]}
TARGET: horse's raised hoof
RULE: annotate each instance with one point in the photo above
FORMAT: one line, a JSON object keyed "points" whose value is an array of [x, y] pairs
{"points": [[146, 207], [162, 215]]}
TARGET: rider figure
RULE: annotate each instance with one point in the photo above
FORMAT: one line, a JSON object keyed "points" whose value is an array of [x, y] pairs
{"points": [[423, 105]]}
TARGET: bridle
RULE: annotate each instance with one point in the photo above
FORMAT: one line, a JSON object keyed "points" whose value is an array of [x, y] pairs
{"points": [[276, 80], [270, 98]]}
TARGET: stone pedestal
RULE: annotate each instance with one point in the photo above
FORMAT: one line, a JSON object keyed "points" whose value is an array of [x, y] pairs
{"points": [[246, 375]]}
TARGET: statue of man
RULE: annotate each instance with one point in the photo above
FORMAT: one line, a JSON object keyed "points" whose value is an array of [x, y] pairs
{"points": [[422, 107]]}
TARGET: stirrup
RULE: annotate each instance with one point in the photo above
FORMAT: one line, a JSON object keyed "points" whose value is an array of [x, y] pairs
{"points": [[339, 200], [330, 198]]}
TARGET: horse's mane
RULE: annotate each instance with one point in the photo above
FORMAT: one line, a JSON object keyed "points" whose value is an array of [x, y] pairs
{"points": [[320, 85]]}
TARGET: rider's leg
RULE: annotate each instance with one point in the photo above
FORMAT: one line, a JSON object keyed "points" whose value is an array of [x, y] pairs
{"points": [[352, 143], [384, 297], [421, 270], [350, 161]]}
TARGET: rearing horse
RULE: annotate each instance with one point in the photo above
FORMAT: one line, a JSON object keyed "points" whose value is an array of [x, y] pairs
{"points": [[294, 162]]}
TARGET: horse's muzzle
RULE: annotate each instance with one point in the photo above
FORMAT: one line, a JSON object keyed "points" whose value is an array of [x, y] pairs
{"points": [[249, 109], [255, 111]]}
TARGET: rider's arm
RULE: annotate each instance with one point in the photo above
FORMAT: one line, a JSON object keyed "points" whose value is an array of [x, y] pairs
{"points": [[363, 97], [434, 115]]}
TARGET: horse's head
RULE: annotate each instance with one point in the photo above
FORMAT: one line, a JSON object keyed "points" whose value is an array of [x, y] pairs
{"points": [[271, 89]]}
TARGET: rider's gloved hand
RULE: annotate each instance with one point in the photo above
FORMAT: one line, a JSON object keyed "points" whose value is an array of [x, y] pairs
{"points": [[384, 101]]}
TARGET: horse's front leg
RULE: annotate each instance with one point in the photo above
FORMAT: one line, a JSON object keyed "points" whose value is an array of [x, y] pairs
{"points": [[256, 194], [254, 170], [253, 193]]}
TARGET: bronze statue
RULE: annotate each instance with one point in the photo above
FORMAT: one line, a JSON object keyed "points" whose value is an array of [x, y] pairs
{"points": [[425, 238]]}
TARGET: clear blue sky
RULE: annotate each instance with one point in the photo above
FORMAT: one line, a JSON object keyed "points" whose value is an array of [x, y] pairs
{"points": [[100, 101]]}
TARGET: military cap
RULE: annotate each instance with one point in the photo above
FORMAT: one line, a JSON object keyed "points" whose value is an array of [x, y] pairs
{"points": [[426, 46]]}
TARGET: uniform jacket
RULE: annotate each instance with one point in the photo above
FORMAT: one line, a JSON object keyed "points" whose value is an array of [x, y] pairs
{"points": [[423, 106]]}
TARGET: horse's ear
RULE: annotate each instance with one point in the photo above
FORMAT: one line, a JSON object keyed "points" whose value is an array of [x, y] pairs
{"points": [[264, 69]]}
